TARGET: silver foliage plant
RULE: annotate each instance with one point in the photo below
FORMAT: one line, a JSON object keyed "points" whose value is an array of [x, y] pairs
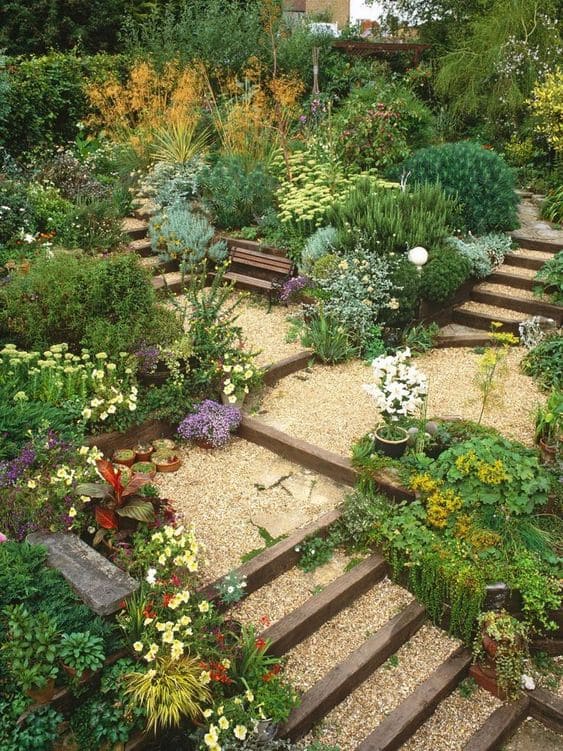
{"points": [[317, 245], [484, 253]]}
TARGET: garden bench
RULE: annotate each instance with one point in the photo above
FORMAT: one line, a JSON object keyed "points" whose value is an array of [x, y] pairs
{"points": [[254, 270]]}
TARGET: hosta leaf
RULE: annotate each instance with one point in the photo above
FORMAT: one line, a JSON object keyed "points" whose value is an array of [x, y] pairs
{"points": [[139, 509]]}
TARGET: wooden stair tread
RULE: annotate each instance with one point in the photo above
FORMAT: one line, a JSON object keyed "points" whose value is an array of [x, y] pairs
{"points": [[525, 261], [527, 305], [304, 620], [172, 280], [142, 247], [402, 723], [546, 245], [349, 674], [499, 726]]}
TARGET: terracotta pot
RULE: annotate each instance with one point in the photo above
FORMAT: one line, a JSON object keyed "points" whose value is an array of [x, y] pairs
{"points": [[143, 453], [71, 672], [394, 449], [486, 677], [203, 444], [150, 471], [489, 645], [547, 451], [166, 444], [126, 462], [172, 464], [42, 695]]}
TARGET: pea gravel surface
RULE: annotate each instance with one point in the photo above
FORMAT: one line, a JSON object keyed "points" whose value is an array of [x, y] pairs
{"points": [[329, 407], [364, 709], [454, 722], [336, 639], [228, 493]]}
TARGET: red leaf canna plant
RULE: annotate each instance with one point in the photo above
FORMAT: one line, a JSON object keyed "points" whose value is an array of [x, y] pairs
{"points": [[116, 499]]}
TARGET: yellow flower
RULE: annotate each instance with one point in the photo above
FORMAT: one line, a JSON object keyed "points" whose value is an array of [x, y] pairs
{"points": [[138, 646], [203, 606], [240, 732], [72, 512], [223, 723]]}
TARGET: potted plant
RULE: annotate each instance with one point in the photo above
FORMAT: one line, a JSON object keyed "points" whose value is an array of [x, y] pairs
{"points": [[166, 461], [124, 456], [238, 375], [82, 653], [211, 425], [31, 650], [399, 391], [549, 426], [143, 452], [500, 649], [148, 469], [163, 444]]}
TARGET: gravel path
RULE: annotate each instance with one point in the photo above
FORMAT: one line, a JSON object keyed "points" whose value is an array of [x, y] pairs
{"points": [[228, 493], [360, 713], [329, 407], [454, 722]]}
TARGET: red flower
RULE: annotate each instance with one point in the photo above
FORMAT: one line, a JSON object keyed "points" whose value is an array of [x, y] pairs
{"points": [[148, 611], [166, 599], [260, 644], [265, 621], [267, 677], [175, 581]]}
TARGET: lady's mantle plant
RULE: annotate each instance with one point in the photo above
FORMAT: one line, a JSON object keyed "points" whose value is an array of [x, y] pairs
{"points": [[211, 422], [399, 389]]}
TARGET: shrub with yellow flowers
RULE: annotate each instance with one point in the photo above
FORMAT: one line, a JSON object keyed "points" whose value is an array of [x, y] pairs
{"points": [[547, 105], [441, 502]]}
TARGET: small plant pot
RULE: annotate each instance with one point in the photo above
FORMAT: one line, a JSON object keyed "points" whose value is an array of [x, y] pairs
{"points": [[486, 677], [489, 645], [144, 468], [124, 456], [394, 449], [548, 452], [42, 695], [83, 678], [163, 444], [143, 452], [167, 463]]}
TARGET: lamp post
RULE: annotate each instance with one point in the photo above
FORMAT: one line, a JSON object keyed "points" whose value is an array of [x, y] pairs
{"points": [[418, 256]]}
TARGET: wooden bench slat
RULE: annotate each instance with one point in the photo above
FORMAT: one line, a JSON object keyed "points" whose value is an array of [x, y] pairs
{"points": [[260, 264], [251, 280]]}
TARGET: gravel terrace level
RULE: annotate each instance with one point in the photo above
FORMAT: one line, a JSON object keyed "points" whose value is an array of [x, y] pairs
{"points": [[454, 722], [492, 311], [533, 736], [335, 640], [228, 493], [360, 713], [286, 593], [329, 407]]}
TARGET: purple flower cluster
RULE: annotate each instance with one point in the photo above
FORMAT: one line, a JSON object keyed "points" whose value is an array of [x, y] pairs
{"points": [[293, 286], [148, 356], [11, 471], [211, 422]]}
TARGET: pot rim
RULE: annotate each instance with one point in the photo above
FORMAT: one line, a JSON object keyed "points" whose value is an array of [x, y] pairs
{"points": [[386, 440]]}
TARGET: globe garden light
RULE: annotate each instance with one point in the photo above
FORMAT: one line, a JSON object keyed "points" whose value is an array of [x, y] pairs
{"points": [[418, 256]]}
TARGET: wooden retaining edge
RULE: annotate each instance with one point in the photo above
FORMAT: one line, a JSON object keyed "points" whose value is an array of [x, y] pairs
{"points": [[143, 433], [499, 726], [314, 457], [463, 340], [304, 620], [403, 722], [547, 708], [553, 647], [282, 368], [535, 243], [276, 560], [344, 678]]}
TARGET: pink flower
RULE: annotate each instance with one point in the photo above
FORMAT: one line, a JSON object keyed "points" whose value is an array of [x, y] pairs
{"points": [[3, 538]]}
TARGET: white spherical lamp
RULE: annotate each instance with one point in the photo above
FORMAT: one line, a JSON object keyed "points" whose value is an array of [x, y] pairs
{"points": [[418, 256]]}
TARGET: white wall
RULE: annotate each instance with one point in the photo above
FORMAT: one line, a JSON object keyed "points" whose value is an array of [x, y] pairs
{"points": [[360, 11]]}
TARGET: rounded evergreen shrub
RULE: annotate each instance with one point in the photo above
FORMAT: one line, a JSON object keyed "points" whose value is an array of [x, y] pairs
{"points": [[479, 178], [443, 275]]}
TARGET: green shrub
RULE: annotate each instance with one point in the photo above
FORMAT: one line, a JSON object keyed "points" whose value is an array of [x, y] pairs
{"points": [[328, 338], [105, 305], [444, 273], [545, 362], [551, 274], [379, 124], [393, 221], [46, 98], [477, 177], [483, 253], [552, 207], [237, 193]]}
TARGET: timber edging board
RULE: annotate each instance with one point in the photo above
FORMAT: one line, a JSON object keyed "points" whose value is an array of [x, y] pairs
{"points": [[287, 366], [345, 677], [499, 726], [405, 720], [276, 560], [300, 623], [547, 708]]}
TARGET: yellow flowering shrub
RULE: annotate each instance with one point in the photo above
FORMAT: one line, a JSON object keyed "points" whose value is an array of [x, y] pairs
{"points": [[441, 502], [490, 473], [547, 105]]}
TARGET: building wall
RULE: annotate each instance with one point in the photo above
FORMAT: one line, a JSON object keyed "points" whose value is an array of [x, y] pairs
{"points": [[339, 9]]}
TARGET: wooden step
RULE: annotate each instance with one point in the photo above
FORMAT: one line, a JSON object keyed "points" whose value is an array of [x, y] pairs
{"points": [[463, 340], [344, 678], [513, 280], [478, 320], [536, 243], [514, 302], [302, 622], [524, 261], [405, 720], [499, 726], [156, 265], [135, 228], [547, 708], [142, 247], [171, 282]]}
